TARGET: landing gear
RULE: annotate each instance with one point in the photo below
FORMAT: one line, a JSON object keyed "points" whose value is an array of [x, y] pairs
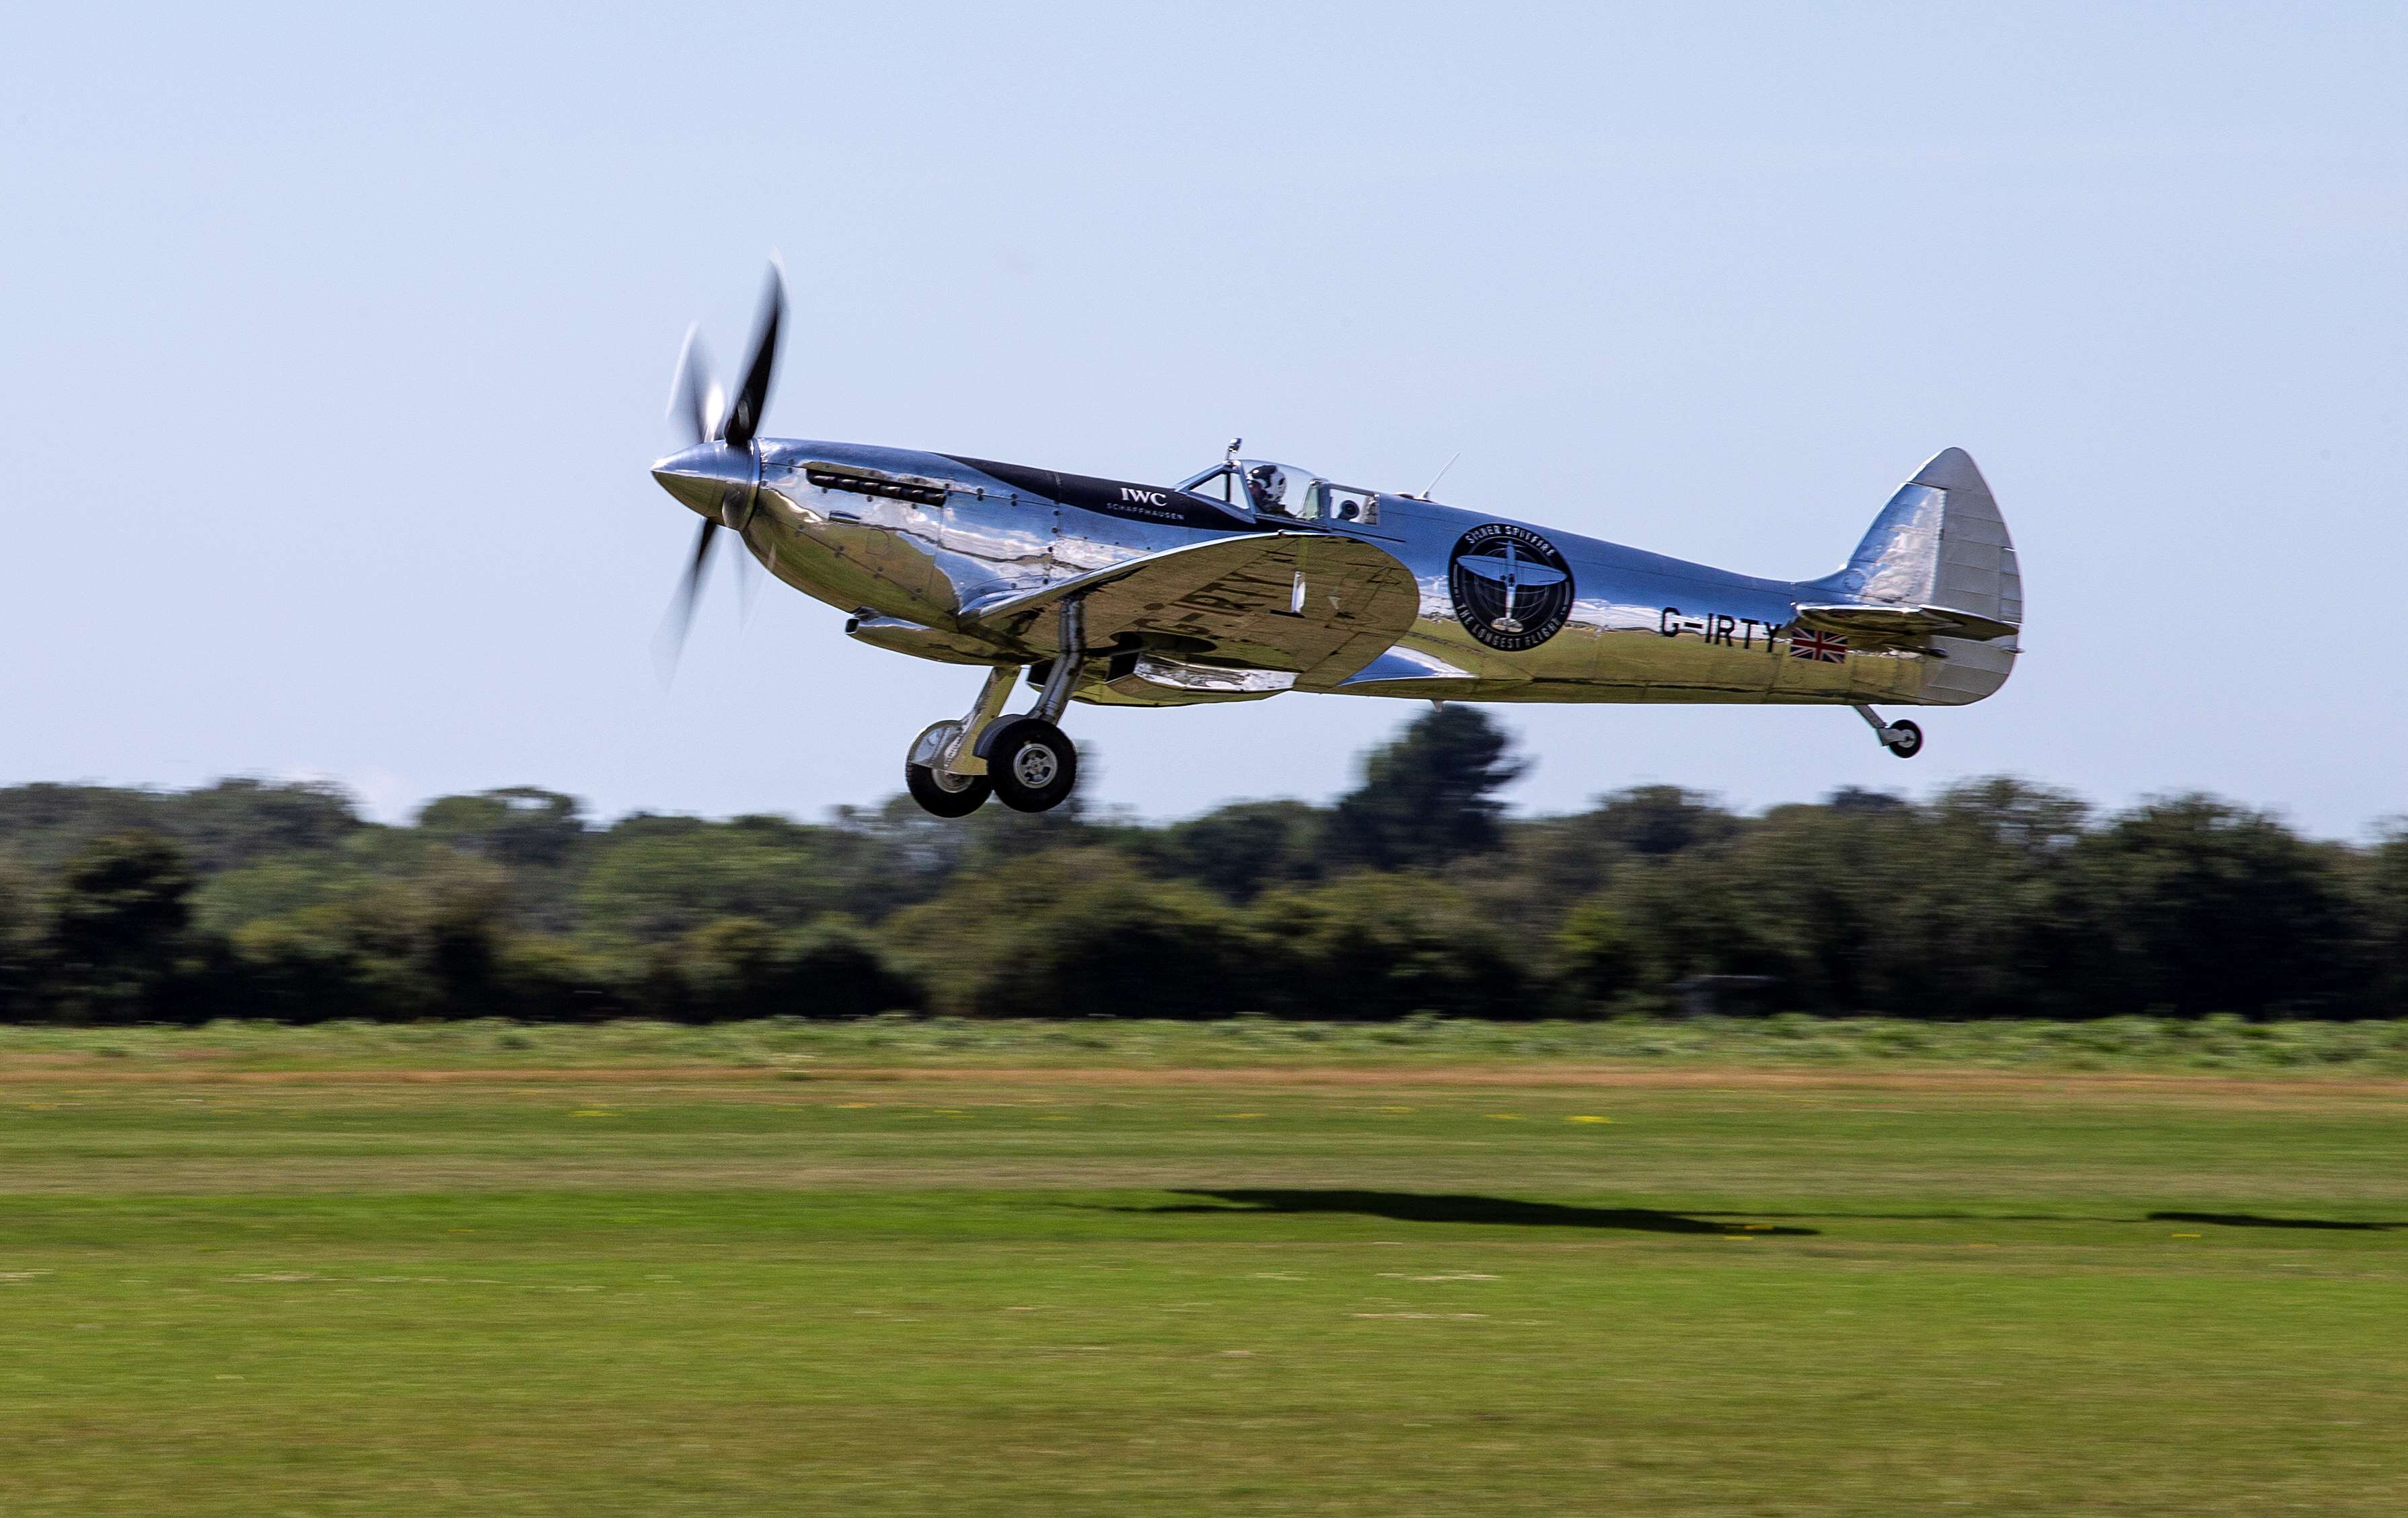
{"points": [[1031, 765], [946, 794], [940, 771], [1902, 738], [954, 767]]}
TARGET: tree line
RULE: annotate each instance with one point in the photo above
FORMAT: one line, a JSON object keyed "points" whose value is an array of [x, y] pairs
{"points": [[1414, 892]]}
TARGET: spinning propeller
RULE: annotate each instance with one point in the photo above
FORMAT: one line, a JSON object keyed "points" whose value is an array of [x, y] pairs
{"points": [[718, 472]]}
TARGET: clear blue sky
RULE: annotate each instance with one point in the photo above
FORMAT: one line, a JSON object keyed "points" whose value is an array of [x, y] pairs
{"points": [[333, 343]]}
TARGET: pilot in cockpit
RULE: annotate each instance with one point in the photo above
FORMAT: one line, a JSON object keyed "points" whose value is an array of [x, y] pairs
{"points": [[1267, 485]]}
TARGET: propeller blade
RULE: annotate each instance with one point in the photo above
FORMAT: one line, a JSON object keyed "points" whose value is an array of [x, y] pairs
{"points": [[689, 591], [717, 478], [747, 577], [692, 390], [752, 389]]}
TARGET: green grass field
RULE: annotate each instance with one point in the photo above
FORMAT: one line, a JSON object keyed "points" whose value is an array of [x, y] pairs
{"points": [[446, 1277], [2118, 1043]]}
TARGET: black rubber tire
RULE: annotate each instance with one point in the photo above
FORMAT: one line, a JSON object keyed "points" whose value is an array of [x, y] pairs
{"points": [[942, 801], [1032, 764], [1910, 744]]}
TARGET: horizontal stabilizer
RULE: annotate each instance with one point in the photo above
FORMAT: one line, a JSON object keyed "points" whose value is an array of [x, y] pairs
{"points": [[1876, 626]]}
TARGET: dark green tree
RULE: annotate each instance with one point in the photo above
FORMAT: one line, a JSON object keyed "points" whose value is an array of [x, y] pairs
{"points": [[119, 927], [2206, 906], [1598, 953], [1078, 933], [1239, 850], [1856, 798], [1369, 946], [1429, 796], [1698, 913], [43, 823], [1993, 898], [519, 825], [741, 966], [2383, 888], [430, 943], [461, 914], [653, 880], [236, 822], [1550, 865], [843, 971], [1652, 820], [23, 926]]}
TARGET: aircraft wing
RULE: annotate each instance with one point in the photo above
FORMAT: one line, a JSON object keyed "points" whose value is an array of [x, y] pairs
{"points": [[1875, 627], [1315, 603]]}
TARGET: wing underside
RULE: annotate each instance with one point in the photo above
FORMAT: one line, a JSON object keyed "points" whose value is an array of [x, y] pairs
{"points": [[1315, 605]]}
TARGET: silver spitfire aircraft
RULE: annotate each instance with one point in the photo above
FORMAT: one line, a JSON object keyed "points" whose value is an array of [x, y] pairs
{"points": [[1249, 578]]}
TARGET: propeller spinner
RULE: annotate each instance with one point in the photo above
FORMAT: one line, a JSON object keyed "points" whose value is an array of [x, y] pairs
{"points": [[717, 474]]}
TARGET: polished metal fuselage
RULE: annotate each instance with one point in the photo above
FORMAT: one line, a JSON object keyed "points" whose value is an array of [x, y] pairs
{"points": [[910, 543]]}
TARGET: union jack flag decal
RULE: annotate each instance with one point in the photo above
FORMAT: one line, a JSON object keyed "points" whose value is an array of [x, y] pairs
{"points": [[1822, 648]]}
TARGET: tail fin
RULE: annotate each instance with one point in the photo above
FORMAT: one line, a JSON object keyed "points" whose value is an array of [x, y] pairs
{"points": [[1936, 567]]}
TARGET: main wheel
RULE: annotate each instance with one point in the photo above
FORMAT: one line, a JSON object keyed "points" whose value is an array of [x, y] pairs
{"points": [[1032, 764], [946, 794], [1908, 741]]}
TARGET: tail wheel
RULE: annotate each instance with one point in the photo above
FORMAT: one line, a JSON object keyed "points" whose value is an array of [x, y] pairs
{"points": [[1908, 741], [944, 794], [1032, 764]]}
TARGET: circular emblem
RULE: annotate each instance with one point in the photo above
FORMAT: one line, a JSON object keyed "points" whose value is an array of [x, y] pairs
{"points": [[1512, 589]]}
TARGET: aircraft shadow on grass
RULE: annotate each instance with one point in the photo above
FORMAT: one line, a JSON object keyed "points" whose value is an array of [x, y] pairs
{"points": [[1419, 1207], [1422, 1207], [2253, 1220]]}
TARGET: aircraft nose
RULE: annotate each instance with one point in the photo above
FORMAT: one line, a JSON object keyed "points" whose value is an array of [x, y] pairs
{"points": [[705, 475]]}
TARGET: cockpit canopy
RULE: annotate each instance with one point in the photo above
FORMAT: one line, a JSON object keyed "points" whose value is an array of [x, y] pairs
{"points": [[1272, 490]]}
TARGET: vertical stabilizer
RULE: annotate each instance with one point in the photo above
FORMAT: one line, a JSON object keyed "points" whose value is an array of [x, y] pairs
{"points": [[1940, 546], [1939, 542]]}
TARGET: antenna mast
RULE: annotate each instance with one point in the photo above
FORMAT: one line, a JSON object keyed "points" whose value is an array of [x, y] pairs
{"points": [[1436, 478]]}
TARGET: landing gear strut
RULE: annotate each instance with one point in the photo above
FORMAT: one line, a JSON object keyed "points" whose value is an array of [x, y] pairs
{"points": [[1901, 738], [938, 770], [1027, 760]]}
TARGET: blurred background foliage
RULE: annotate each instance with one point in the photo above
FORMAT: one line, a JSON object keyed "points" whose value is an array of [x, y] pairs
{"points": [[1414, 893]]}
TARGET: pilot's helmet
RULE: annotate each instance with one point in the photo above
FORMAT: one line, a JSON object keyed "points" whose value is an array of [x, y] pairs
{"points": [[1269, 483]]}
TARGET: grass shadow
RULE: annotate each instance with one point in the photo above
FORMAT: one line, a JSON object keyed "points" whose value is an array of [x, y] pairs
{"points": [[1419, 1207], [2253, 1220]]}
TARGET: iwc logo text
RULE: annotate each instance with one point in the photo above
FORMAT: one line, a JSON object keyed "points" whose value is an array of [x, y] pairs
{"points": [[1513, 591]]}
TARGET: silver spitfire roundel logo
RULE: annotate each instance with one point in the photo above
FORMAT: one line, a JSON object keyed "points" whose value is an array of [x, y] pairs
{"points": [[1512, 589]]}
